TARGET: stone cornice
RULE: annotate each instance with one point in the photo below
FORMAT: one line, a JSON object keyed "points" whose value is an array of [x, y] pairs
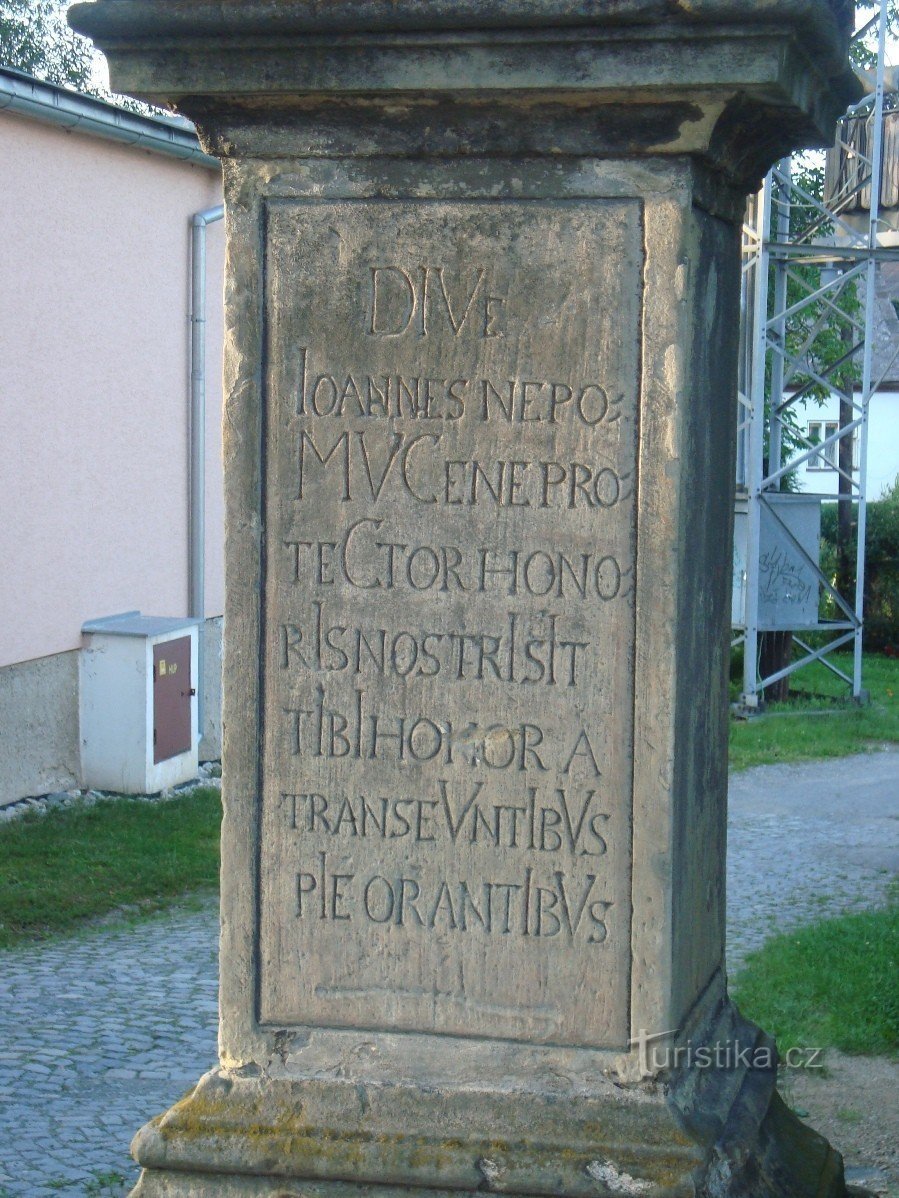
{"points": [[163, 20], [406, 77]]}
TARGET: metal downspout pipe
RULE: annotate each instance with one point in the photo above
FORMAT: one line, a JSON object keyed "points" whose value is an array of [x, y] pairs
{"points": [[197, 500]]}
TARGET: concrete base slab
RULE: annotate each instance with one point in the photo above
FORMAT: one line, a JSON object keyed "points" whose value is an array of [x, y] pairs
{"points": [[39, 750]]}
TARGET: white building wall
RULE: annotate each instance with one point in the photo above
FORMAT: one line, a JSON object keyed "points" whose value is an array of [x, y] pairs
{"points": [[94, 294], [94, 422], [883, 445]]}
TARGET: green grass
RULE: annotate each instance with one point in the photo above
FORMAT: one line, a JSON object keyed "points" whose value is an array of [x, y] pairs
{"points": [[832, 984], [63, 868], [806, 729], [105, 1184], [101, 1185]]}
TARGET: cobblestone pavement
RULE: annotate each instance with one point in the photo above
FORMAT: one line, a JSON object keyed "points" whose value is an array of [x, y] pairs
{"points": [[806, 841], [100, 1031]]}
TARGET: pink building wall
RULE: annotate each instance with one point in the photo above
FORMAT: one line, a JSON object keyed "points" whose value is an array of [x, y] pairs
{"points": [[94, 399]]}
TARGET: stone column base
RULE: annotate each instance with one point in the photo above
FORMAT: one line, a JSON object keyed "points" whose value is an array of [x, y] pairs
{"points": [[320, 1132]]}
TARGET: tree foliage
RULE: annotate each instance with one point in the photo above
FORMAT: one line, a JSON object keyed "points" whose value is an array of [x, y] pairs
{"points": [[881, 565], [822, 337], [35, 38], [863, 48]]}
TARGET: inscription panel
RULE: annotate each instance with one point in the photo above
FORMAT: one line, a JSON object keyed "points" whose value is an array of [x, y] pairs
{"points": [[445, 817]]}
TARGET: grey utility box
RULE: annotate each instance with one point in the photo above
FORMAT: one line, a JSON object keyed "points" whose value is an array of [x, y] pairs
{"points": [[138, 703], [789, 549]]}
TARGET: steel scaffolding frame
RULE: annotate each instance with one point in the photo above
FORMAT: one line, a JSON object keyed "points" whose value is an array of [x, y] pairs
{"points": [[786, 232]]}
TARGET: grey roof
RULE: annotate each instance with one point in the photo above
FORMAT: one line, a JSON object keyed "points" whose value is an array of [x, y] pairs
{"points": [[132, 623], [47, 102]]}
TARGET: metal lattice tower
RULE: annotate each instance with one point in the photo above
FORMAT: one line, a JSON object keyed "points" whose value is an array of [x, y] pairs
{"points": [[809, 270]]}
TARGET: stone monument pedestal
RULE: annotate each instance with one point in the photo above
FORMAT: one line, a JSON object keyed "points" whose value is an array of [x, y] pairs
{"points": [[482, 310], [372, 1115]]}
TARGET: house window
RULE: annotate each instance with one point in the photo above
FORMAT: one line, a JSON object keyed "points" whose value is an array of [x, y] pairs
{"points": [[828, 458]]}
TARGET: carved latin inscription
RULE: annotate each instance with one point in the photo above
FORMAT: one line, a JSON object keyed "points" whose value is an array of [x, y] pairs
{"points": [[448, 609]]}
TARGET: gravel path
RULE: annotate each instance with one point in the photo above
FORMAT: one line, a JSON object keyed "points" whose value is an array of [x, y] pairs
{"points": [[100, 1031]]}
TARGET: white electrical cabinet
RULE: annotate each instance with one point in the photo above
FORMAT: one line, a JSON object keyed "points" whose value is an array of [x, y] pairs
{"points": [[138, 703]]}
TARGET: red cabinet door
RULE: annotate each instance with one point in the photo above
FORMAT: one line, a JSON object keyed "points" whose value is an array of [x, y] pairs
{"points": [[171, 698]]}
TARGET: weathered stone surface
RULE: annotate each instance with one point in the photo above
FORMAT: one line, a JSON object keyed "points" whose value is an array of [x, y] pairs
{"points": [[449, 593], [482, 310], [711, 1132], [737, 84], [638, 626]]}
